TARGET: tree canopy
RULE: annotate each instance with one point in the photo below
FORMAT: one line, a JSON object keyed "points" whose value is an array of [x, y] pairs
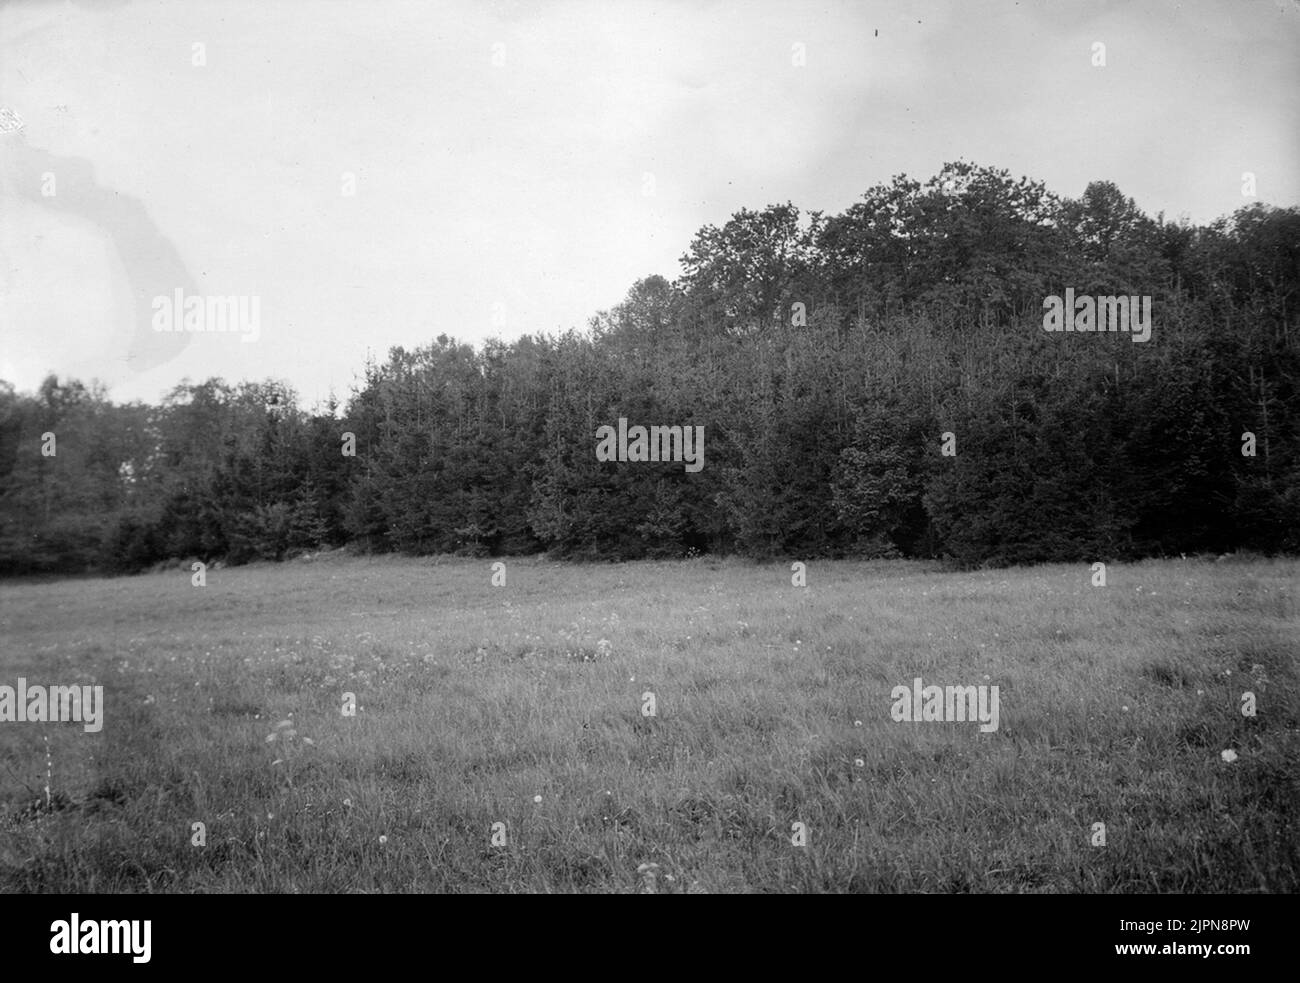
{"points": [[831, 361]]}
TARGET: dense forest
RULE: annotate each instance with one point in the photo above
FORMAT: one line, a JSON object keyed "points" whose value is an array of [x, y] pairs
{"points": [[876, 383]]}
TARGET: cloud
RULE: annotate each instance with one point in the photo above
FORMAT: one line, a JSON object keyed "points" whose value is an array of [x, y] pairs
{"points": [[523, 183]]}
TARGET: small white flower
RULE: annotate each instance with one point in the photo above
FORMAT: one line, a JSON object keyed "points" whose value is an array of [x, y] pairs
{"points": [[857, 723], [347, 803], [537, 799], [1229, 755], [383, 840], [859, 762], [1125, 709]]}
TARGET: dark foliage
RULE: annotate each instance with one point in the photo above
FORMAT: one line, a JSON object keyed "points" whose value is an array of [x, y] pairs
{"points": [[826, 359]]}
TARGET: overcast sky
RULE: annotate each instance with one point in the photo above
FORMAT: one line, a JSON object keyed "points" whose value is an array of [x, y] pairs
{"points": [[519, 165]]}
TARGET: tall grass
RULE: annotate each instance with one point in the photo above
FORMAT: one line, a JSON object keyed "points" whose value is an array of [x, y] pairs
{"points": [[772, 707]]}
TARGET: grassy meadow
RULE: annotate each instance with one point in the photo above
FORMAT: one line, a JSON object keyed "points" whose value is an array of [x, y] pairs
{"points": [[772, 706]]}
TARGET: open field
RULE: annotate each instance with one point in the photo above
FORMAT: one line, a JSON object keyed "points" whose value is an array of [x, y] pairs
{"points": [[772, 706]]}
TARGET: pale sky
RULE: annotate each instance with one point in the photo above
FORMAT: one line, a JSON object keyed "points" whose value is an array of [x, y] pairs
{"points": [[519, 165]]}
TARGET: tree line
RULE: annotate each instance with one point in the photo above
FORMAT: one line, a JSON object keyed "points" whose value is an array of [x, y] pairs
{"points": [[875, 383]]}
